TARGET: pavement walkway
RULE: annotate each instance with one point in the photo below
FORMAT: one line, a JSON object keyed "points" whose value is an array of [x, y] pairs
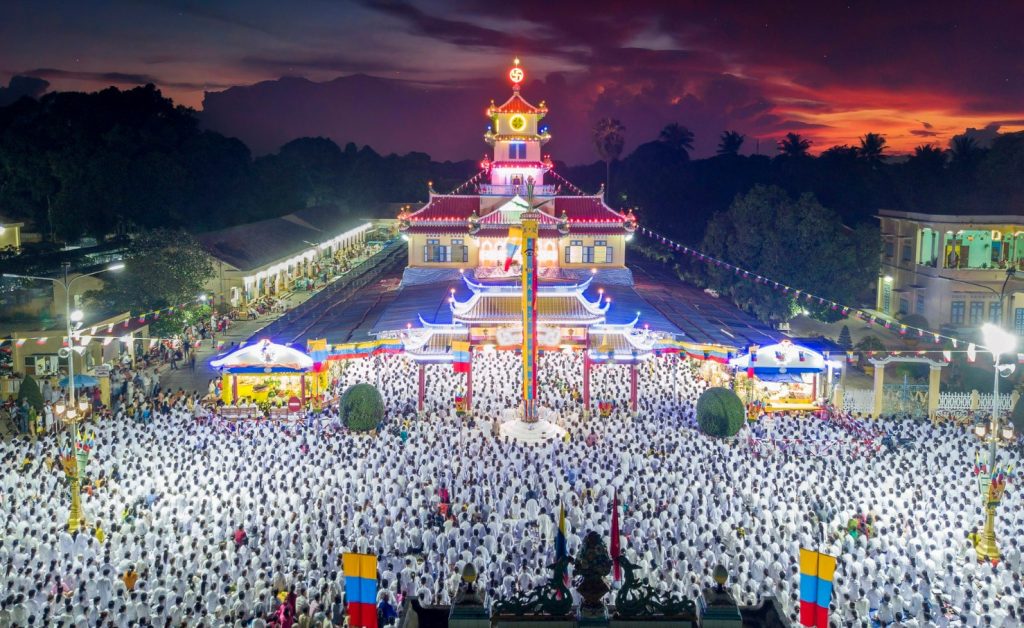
{"points": [[240, 331]]}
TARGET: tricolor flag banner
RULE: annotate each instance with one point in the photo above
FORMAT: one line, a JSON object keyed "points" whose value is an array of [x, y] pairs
{"points": [[512, 245], [361, 589], [460, 356], [41, 340], [816, 571], [561, 548]]}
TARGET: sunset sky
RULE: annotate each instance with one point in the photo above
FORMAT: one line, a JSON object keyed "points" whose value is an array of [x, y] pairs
{"points": [[917, 72]]}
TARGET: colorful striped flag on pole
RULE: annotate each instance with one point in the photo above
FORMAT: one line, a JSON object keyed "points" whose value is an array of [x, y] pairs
{"points": [[361, 589], [816, 571], [460, 356]]}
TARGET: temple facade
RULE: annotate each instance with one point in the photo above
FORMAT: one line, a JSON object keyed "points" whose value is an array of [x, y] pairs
{"points": [[471, 230]]}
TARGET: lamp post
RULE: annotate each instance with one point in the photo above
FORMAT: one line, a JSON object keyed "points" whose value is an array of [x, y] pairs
{"points": [[69, 412], [998, 341]]}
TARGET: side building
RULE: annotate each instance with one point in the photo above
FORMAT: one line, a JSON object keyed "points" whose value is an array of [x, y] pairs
{"points": [[951, 269], [294, 252]]}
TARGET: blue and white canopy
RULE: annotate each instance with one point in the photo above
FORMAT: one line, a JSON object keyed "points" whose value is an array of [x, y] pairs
{"points": [[264, 357], [780, 359]]}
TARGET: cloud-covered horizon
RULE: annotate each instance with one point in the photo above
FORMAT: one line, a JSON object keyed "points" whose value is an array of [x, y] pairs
{"points": [[915, 73]]}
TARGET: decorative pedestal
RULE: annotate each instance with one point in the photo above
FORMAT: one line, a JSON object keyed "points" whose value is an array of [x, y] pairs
{"points": [[535, 432]]}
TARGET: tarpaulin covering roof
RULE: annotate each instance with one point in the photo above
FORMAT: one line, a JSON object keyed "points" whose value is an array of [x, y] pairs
{"points": [[264, 357]]}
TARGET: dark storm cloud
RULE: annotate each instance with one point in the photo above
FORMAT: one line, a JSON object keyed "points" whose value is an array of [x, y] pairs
{"points": [[20, 86], [831, 71], [117, 78]]}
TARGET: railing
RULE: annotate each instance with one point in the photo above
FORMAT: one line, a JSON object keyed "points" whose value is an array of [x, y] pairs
{"points": [[512, 190], [862, 401]]}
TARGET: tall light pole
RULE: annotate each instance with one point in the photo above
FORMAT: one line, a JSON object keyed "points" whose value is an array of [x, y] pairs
{"points": [[998, 341], [75, 519]]}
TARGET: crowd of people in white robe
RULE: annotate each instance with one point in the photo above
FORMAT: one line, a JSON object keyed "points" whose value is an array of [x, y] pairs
{"points": [[165, 499]]}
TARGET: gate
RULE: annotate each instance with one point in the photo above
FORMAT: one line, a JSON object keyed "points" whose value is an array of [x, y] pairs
{"points": [[905, 398]]}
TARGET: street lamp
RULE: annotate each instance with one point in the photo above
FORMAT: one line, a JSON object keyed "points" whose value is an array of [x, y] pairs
{"points": [[70, 414], [998, 341]]}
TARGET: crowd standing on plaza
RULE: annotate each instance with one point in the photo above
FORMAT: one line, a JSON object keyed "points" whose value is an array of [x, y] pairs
{"points": [[199, 521]]}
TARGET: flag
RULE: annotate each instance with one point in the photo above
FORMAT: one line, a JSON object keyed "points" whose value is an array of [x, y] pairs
{"points": [[561, 550], [816, 571], [512, 245], [460, 356], [615, 550], [361, 589]]}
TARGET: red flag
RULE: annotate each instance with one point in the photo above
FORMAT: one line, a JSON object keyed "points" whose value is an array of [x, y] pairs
{"points": [[616, 569]]}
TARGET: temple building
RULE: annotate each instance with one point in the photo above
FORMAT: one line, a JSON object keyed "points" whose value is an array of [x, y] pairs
{"points": [[578, 232]]}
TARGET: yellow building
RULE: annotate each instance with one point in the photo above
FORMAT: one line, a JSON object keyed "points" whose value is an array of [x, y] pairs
{"points": [[470, 230], [951, 269]]}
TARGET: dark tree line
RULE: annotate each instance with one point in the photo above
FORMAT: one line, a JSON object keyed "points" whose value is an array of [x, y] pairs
{"points": [[75, 164], [678, 195]]}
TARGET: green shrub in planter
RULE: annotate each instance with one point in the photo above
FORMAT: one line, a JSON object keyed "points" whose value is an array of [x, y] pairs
{"points": [[720, 412], [361, 407]]}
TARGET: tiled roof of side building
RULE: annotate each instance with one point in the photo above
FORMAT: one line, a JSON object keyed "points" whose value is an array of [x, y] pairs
{"points": [[250, 246]]}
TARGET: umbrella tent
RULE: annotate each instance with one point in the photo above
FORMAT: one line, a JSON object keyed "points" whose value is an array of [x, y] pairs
{"points": [[81, 381], [780, 359]]}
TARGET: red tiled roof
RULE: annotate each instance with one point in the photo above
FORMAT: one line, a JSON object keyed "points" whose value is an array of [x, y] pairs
{"points": [[585, 209], [585, 229], [443, 207], [436, 228], [516, 104]]}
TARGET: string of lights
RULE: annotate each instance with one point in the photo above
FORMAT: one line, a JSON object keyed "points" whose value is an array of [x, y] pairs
{"points": [[797, 294]]}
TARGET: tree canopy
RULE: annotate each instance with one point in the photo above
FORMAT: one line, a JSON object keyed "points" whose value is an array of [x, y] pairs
{"points": [[796, 241], [163, 268]]}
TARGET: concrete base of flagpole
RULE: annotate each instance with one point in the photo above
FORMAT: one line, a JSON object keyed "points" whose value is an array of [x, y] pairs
{"points": [[535, 432]]}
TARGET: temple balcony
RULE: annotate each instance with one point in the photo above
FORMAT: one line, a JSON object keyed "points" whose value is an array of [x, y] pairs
{"points": [[489, 189]]}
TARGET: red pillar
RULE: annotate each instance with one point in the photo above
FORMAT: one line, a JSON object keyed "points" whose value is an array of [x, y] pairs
{"points": [[632, 387], [586, 382], [234, 389], [302, 388], [422, 388], [469, 385]]}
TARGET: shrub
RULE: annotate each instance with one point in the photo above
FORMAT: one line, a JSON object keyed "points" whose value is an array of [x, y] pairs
{"points": [[30, 390], [361, 408], [720, 412]]}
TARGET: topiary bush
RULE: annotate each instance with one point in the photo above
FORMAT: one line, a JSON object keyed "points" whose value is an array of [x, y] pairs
{"points": [[361, 407], [720, 412], [30, 390]]}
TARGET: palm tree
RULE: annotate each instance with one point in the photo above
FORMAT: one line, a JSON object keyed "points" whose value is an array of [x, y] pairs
{"points": [[964, 150], [609, 141], [678, 137], [929, 154], [872, 145], [730, 143], [793, 145]]}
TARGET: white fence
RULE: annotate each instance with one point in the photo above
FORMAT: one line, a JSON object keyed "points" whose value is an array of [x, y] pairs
{"points": [[860, 400]]}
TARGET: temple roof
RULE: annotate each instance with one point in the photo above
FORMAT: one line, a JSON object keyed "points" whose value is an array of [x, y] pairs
{"points": [[450, 208], [587, 209], [502, 303], [516, 104]]}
